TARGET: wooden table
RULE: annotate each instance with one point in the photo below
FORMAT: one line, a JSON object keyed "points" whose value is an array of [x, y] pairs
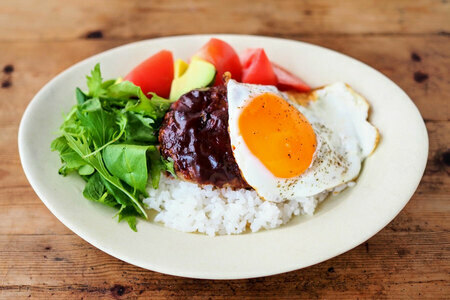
{"points": [[406, 40]]}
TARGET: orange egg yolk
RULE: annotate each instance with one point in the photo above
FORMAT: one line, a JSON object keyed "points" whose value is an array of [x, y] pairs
{"points": [[278, 135]]}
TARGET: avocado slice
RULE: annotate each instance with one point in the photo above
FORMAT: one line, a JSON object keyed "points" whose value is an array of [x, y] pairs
{"points": [[199, 74], [180, 67]]}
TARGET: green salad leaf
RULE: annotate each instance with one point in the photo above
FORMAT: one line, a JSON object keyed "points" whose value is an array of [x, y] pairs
{"points": [[95, 190], [128, 215], [81, 97], [95, 159], [129, 163], [124, 89], [94, 82], [158, 165], [110, 139], [140, 129]]}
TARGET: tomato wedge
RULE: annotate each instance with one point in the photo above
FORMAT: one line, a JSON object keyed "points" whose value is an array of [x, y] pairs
{"points": [[155, 74], [223, 57], [257, 68], [288, 81]]}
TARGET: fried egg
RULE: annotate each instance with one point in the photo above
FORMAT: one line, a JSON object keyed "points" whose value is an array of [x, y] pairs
{"points": [[292, 147]]}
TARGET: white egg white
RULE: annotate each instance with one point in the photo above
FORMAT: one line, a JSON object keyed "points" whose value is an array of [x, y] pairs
{"points": [[345, 138]]}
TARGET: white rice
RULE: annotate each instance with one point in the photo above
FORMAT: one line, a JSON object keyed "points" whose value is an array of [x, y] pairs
{"points": [[189, 207]]}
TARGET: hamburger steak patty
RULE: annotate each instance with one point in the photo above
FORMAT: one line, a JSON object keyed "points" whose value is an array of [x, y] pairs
{"points": [[195, 135]]}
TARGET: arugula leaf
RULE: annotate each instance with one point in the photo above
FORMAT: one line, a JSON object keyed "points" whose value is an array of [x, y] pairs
{"points": [[100, 125], [81, 147], [154, 108], [143, 106], [71, 160], [128, 215], [119, 195], [129, 163], [161, 104], [158, 165], [96, 191], [139, 129]]}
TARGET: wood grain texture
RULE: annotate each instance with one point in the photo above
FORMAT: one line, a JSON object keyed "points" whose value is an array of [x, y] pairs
{"points": [[406, 40], [50, 20]]}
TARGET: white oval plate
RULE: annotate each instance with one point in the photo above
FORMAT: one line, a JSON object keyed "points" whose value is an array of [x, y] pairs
{"points": [[388, 179]]}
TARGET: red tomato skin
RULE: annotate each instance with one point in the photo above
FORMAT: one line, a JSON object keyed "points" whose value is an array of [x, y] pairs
{"points": [[257, 68], [223, 57], [155, 74], [246, 55], [288, 81]]}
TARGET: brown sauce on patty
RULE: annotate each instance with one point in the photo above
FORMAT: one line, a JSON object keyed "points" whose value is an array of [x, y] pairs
{"points": [[195, 135]]}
